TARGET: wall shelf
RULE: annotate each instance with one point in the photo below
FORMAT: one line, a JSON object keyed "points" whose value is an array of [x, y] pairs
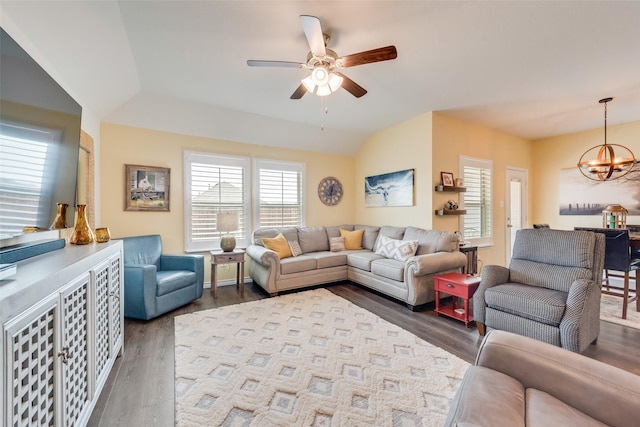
{"points": [[451, 189], [451, 212]]}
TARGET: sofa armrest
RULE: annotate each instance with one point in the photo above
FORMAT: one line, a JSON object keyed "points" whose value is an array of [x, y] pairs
{"points": [[437, 262], [579, 381], [139, 291], [263, 255], [581, 320], [491, 275]]}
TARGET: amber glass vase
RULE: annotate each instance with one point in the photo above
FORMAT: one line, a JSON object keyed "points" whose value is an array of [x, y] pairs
{"points": [[82, 234], [60, 221]]}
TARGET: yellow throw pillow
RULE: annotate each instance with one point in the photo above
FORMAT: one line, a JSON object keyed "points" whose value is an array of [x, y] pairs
{"points": [[279, 245], [352, 239]]}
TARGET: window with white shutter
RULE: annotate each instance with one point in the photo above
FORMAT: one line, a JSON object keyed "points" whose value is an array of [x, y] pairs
{"points": [[28, 159], [477, 224], [279, 194], [214, 184]]}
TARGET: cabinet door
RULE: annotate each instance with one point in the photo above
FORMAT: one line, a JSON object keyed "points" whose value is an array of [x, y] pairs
{"points": [[75, 351], [102, 352], [31, 355], [116, 305]]}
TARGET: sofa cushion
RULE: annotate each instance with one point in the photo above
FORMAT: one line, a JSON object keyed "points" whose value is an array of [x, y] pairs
{"points": [[297, 264], [290, 233], [389, 268], [370, 235], [313, 239], [352, 239], [334, 231], [279, 245], [531, 302], [172, 280], [336, 244], [431, 241], [362, 260], [388, 231], [545, 410], [329, 259], [400, 250]]}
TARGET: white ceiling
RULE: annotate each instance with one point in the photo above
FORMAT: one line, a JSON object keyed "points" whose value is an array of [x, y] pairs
{"points": [[529, 68]]}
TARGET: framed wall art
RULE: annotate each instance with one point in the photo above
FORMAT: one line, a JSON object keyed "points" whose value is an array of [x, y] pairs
{"points": [[447, 179], [581, 196], [389, 189], [146, 188]]}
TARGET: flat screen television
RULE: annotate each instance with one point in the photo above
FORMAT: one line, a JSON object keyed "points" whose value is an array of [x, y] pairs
{"points": [[39, 144]]}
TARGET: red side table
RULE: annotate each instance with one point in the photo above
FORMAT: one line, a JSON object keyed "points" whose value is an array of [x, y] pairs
{"points": [[457, 285]]}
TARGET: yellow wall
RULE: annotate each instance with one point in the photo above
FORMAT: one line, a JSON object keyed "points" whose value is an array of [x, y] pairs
{"points": [[552, 154], [453, 137], [128, 145], [404, 146]]}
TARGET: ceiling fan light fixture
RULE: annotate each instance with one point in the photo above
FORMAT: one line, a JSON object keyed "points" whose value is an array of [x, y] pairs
{"points": [[309, 84], [604, 164], [320, 76], [335, 82], [323, 90]]}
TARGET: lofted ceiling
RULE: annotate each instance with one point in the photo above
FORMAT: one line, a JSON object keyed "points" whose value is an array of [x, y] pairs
{"points": [[529, 68]]}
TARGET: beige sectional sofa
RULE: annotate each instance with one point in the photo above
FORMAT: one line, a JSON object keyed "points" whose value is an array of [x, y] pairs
{"points": [[410, 280]]}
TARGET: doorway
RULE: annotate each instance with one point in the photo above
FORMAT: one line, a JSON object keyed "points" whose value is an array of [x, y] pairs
{"points": [[516, 206]]}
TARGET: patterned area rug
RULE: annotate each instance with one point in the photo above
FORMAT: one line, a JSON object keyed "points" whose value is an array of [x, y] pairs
{"points": [[611, 311], [310, 358]]}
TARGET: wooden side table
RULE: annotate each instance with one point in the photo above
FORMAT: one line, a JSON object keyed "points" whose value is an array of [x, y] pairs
{"points": [[219, 257], [457, 285]]}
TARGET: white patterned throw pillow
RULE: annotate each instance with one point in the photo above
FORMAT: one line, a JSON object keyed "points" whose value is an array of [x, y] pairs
{"points": [[401, 250], [295, 248]]}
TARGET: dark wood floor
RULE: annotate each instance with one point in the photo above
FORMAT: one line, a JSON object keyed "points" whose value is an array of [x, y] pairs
{"points": [[140, 389]]}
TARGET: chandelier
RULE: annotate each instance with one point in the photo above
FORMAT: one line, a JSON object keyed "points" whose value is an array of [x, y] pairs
{"points": [[604, 164]]}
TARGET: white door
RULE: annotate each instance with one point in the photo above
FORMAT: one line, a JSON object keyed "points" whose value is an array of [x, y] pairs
{"points": [[516, 206]]}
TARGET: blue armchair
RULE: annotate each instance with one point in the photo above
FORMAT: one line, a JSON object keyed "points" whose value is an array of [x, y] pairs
{"points": [[155, 284]]}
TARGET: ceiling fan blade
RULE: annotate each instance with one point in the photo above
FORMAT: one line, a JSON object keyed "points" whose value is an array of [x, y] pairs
{"points": [[286, 64], [313, 31], [299, 92], [369, 56], [352, 87]]}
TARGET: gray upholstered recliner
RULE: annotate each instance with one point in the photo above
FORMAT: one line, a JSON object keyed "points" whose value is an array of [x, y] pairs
{"points": [[155, 283], [551, 290]]}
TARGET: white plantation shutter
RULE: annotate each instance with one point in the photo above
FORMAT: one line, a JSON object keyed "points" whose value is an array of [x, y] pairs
{"points": [[477, 224], [279, 194], [214, 184], [28, 156]]}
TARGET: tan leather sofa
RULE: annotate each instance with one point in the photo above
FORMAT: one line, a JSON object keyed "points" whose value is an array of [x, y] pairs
{"points": [[519, 381], [410, 281]]}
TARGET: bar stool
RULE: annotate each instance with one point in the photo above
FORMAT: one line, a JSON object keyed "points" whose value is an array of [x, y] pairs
{"points": [[619, 257]]}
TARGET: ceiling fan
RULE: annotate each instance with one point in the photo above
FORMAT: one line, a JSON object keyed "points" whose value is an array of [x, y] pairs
{"points": [[324, 63]]}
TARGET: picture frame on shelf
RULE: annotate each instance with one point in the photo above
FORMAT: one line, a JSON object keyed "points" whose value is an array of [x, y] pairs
{"points": [[146, 188], [447, 179]]}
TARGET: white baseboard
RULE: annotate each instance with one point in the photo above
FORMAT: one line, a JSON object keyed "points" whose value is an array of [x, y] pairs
{"points": [[227, 282]]}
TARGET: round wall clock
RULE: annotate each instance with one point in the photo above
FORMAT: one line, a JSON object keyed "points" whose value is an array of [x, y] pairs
{"points": [[330, 191]]}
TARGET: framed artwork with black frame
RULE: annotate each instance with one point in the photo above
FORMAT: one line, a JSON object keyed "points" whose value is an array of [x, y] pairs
{"points": [[146, 188], [447, 179]]}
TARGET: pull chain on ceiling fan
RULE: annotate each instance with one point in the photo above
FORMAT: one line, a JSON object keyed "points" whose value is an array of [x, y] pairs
{"points": [[324, 63]]}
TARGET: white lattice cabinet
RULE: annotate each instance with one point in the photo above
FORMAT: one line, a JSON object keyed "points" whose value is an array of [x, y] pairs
{"points": [[62, 324]]}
